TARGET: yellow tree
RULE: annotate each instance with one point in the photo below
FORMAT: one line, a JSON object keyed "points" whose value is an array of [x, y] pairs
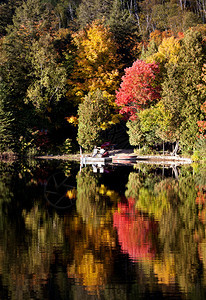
{"points": [[168, 51], [157, 36], [96, 62]]}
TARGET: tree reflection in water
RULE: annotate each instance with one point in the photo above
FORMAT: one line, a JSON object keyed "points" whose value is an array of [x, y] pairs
{"points": [[93, 250], [145, 240], [171, 203], [28, 234], [136, 233]]}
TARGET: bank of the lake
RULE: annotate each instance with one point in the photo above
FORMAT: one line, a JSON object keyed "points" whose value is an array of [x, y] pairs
{"points": [[120, 155]]}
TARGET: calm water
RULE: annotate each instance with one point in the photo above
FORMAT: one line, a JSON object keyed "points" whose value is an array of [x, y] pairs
{"points": [[132, 232]]}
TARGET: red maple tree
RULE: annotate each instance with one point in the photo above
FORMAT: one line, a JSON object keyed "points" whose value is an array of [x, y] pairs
{"points": [[138, 88]]}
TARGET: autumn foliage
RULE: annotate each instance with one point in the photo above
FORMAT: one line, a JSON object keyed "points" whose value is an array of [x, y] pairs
{"points": [[202, 124], [135, 232], [96, 61], [53, 54], [138, 88]]}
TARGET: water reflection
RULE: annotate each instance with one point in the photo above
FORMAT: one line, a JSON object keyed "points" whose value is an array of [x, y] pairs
{"points": [[60, 190], [136, 232], [93, 250]]}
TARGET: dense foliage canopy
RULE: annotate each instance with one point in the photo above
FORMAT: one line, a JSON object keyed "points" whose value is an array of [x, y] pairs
{"points": [[145, 58]]}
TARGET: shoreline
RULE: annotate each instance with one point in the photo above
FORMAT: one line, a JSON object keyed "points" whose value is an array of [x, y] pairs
{"points": [[117, 156], [123, 155]]}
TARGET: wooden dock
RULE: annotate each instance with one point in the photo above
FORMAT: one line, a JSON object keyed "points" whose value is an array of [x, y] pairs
{"points": [[89, 160], [149, 158]]}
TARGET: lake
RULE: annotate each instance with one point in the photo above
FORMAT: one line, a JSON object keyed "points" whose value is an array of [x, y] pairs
{"points": [[122, 232]]}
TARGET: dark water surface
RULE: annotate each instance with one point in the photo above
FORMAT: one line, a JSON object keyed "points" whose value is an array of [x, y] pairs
{"points": [[132, 232]]}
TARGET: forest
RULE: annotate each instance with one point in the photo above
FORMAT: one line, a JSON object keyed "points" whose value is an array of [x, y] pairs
{"points": [[81, 72]]}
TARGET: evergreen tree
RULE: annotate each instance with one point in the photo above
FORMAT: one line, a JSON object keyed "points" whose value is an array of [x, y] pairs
{"points": [[136, 136], [31, 69], [30, 21], [93, 114], [124, 28], [48, 77]]}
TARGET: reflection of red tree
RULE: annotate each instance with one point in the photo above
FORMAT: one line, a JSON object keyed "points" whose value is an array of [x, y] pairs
{"points": [[135, 231]]}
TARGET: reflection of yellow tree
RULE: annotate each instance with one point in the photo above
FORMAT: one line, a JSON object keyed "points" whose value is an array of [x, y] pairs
{"points": [[92, 261], [90, 271], [164, 269]]}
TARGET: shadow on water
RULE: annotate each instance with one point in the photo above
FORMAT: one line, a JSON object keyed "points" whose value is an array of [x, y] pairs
{"points": [[130, 232]]}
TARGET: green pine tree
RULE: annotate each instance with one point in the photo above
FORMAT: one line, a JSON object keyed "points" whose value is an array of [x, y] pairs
{"points": [[93, 112]]}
